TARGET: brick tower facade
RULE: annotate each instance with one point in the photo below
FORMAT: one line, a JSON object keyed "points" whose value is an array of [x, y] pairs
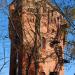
{"points": [[37, 36]]}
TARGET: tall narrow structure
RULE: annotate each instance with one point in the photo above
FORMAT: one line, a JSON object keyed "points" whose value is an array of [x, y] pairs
{"points": [[37, 38]]}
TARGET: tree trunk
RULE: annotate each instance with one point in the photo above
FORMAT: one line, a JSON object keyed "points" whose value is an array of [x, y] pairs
{"points": [[37, 37]]}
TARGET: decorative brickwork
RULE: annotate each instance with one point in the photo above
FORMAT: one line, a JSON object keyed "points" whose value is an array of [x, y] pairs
{"points": [[37, 36]]}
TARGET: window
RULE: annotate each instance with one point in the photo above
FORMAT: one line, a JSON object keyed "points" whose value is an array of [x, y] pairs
{"points": [[43, 42], [43, 73], [53, 73]]}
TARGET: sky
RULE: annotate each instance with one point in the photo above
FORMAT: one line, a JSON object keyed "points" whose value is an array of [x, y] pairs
{"points": [[5, 41]]}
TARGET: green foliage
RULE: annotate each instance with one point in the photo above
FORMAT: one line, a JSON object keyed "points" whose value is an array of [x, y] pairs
{"points": [[73, 12]]}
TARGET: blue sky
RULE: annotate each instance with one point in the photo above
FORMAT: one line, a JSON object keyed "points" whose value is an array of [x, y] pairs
{"points": [[5, 42]]}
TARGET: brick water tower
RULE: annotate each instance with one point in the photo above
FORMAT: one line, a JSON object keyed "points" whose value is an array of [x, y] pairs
{"points": [[37, 34]]}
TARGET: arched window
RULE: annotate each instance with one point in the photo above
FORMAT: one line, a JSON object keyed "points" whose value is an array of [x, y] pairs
{"points": [[43, 43]]}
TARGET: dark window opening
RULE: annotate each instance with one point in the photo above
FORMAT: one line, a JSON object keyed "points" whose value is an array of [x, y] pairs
{"points": [[53, 73], [43, 42], [53, 42]]}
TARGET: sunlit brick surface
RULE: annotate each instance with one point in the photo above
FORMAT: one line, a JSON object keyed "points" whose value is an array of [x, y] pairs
{"points": [[50, 28]]}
